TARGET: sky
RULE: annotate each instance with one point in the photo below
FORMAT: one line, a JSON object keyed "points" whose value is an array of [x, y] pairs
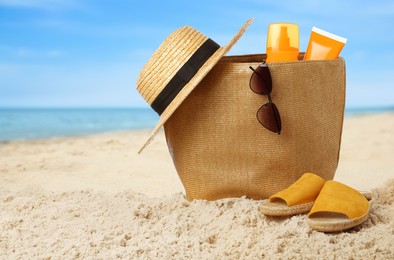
{"points": [[88, 53]]}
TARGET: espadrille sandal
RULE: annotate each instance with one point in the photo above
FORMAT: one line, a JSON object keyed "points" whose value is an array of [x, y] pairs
{"points": [[298, 198], [339, 207]]}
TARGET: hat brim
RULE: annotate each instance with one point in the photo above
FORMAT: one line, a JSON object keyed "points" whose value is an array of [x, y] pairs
{"points": [[188, 88]]}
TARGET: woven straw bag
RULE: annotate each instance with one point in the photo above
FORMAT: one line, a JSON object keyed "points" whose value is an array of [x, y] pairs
{"points": [[220, 149]]}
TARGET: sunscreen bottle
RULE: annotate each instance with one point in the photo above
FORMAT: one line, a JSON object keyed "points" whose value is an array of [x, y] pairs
{"points": [[323, 45], [282, 42]]}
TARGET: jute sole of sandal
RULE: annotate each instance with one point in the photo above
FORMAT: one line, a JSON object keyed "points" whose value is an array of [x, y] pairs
{"points": [[333, 222], [280, 209]]}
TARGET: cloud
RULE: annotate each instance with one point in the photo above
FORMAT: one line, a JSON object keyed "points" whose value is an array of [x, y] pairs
{"points": [[83, 85], [53, 53], [23, 52], [333, 7], [29, 53], [39, 4]]}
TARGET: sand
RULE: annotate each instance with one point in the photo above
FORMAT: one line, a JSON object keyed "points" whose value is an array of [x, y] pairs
{"points": [[94, 197]]}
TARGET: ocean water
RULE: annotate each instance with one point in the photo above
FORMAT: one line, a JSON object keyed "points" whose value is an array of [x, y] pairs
{"points": [[22, 124], [43, 123]]}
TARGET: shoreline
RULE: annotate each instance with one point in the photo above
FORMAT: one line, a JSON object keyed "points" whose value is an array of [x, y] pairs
{"points": [[109, 161], [351, 113]]}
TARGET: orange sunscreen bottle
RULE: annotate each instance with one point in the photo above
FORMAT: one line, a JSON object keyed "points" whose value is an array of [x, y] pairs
{"points": [[324, 45], [282, 42]]}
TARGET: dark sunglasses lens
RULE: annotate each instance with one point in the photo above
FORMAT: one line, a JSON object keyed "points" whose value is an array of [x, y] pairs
{"points": [[268, 116], [260, 81]]}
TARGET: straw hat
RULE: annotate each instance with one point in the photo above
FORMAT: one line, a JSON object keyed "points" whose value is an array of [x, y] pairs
{"points": [[176, 68]]}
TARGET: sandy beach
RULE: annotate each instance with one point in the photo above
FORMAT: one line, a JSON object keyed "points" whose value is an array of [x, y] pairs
{"points": [[95, 197]]}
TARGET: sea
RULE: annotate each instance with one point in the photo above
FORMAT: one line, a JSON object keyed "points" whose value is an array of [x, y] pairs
{"points": [[41, 123]]}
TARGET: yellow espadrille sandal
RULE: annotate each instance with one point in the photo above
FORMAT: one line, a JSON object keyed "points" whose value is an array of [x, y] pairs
{"points": [[339, 207], [298, 198]]}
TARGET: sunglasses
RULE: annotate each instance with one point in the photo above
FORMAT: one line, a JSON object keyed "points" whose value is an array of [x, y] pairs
{"points": [[261, 83]]}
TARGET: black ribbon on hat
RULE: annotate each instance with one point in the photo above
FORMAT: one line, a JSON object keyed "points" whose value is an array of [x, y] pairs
{"points": [[184, 75]]}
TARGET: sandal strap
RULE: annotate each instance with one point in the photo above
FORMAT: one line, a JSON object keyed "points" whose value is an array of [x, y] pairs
{"points": [[304, 190], [337, 197]]}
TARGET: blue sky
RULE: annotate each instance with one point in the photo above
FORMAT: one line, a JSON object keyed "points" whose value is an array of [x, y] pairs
{"points": [[88, 53]]}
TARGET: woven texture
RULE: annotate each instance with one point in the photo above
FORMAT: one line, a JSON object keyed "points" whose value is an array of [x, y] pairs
{"points": [[220, 149], [172, 54], [156, 73]]}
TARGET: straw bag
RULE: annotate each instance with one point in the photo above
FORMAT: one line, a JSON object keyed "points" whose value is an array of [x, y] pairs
{"points": [[221, 150]]}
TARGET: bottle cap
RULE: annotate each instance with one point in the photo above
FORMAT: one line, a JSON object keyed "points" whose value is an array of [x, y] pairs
{"points": [[283, 38]]}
